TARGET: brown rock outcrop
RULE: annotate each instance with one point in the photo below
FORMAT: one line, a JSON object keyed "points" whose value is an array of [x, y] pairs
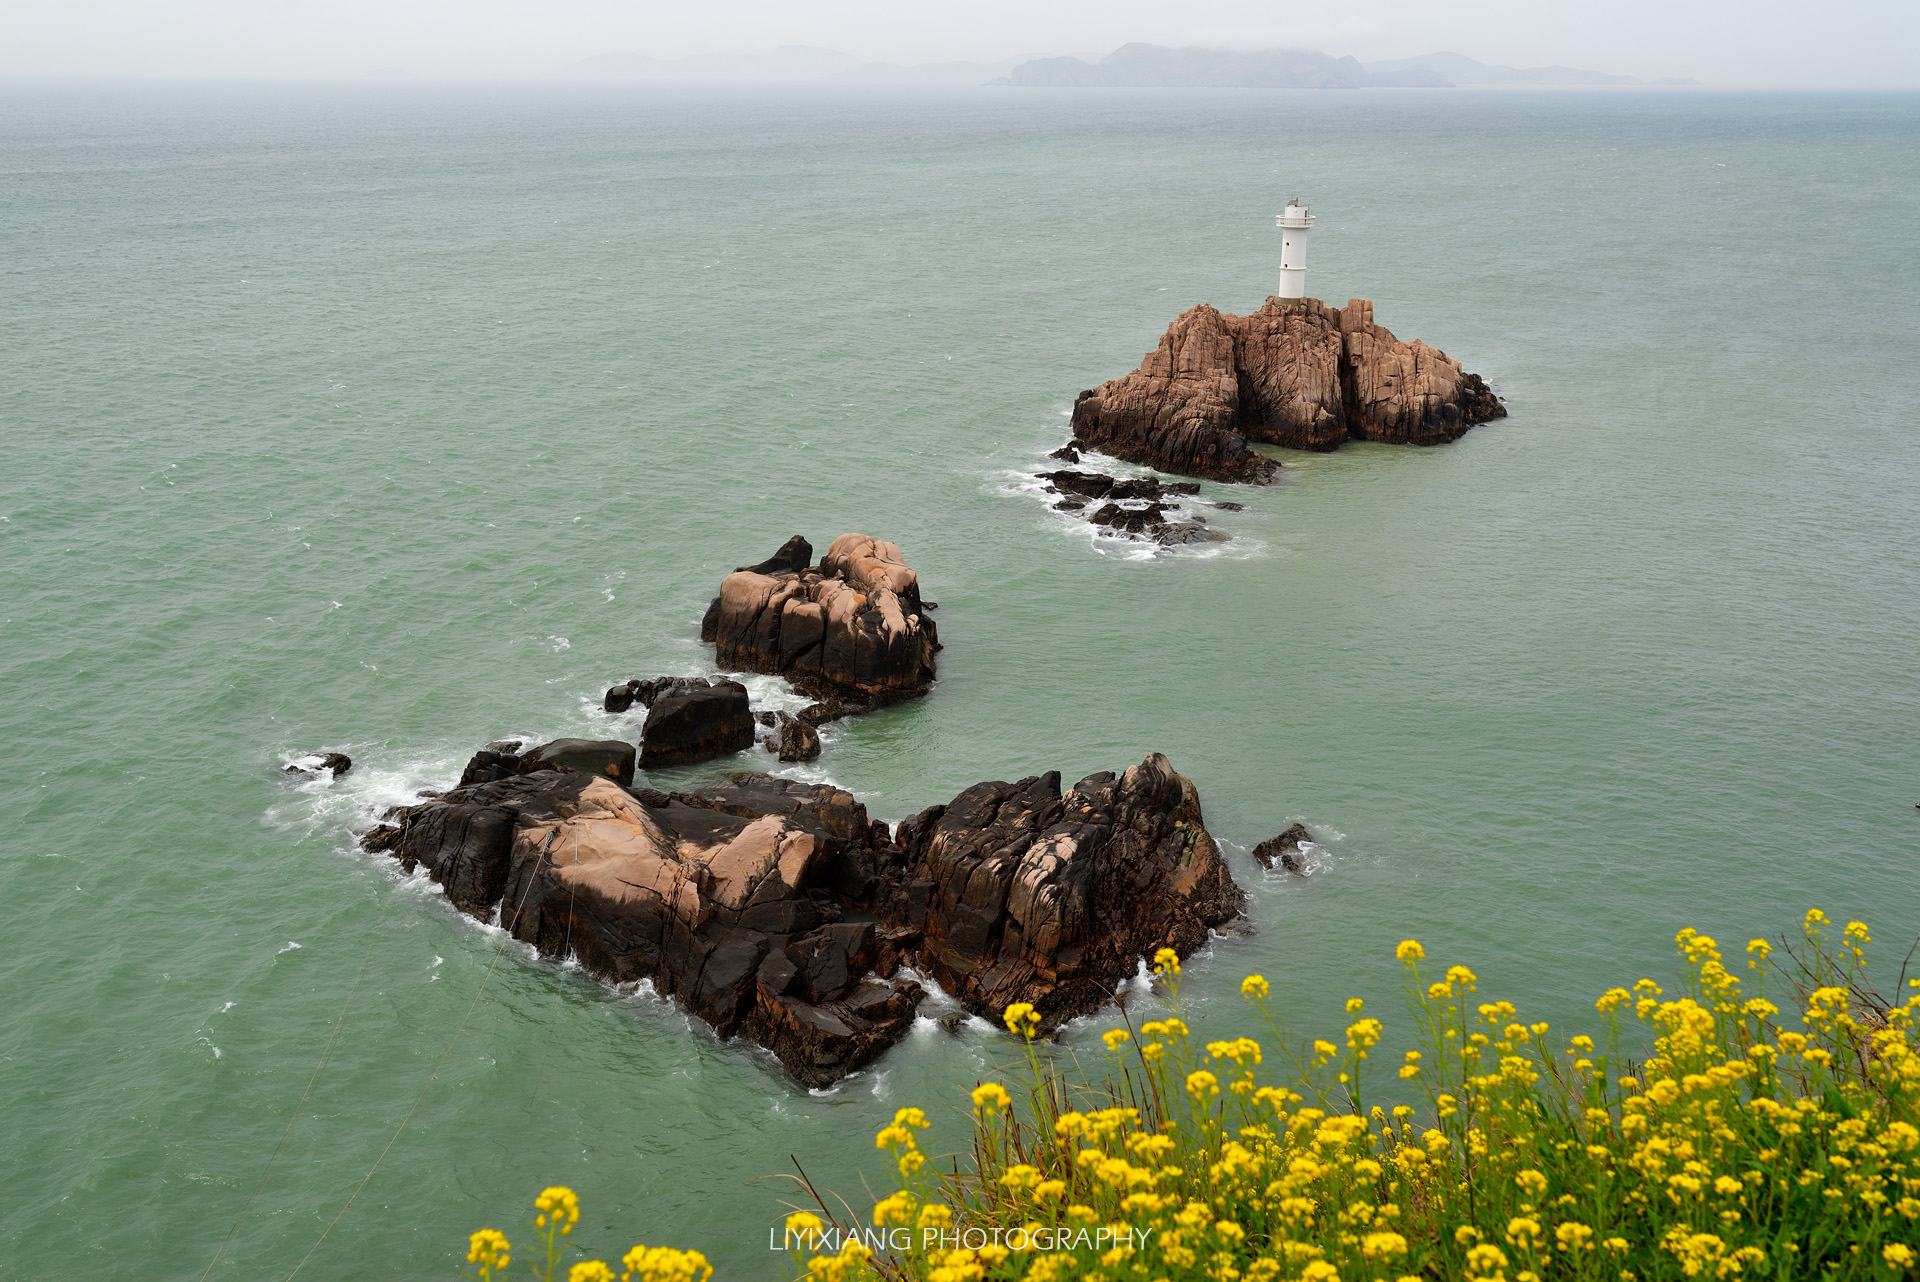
{"points": [[1020, 893], [853, 626], [723, 898], [1296, 373], [733, 899]]}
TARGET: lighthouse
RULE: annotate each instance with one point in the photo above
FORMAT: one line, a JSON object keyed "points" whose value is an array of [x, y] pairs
{"points": [[1294, 221]]}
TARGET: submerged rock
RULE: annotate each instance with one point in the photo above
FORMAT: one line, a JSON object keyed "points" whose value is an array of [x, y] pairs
{"points": [[733, 899], [1137, 507], [1284, 850], [1296, 373], [315, 764]]}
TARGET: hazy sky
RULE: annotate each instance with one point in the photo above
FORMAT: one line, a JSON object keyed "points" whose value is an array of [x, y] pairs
{"points": [[1788, 43]]}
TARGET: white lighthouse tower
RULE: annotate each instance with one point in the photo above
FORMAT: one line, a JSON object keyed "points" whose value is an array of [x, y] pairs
{"points": [[1294, 222]]}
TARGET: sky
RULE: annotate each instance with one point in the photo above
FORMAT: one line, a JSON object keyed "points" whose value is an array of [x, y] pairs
{"points": [[1753, 43]]}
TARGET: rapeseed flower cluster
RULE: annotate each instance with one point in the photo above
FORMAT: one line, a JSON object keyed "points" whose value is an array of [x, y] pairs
{"points": [[1705, 1133], [556, 1211]]}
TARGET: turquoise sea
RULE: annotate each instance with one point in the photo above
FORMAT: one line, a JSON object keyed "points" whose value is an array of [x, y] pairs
{"points": [[397, 419]]}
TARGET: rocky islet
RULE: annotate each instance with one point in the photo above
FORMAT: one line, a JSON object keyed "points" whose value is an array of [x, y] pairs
{"points": [[1296, 373], [779, 911]]}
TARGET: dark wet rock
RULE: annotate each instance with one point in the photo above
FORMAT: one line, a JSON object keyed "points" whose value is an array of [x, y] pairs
{"points": [[608, 758], [694, 719], [1186, 534], [1229, 507], [1133, 520], [1092, 485], [1296, 373], [488, 765], [1151, 487], [854, 626], [1025, 894], [1142, 507], [767, 718], [1066, 453], [380, 838], [314, 764], [798, 740], [624, 696], [831, 708], [1284, 851], [795, 554]]}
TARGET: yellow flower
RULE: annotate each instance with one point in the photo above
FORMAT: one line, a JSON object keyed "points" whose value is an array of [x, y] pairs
{"points": [[1574, 1236], [488, 1248], [1486, 1260], [559, 1205], [1202, 1083], [1115, 1038], [664, 1264], [991, 1097], [1253, 987], [897, 1208], [590, 1271], [804, 1222], [1383, 1246], [1166, 962], [1532, 1183], [1022, 1019], [1409, 951], [1898, 1256], [1354, 1004]]}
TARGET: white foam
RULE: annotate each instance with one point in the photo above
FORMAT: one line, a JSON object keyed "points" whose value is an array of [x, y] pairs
{"points": [[290, 946]]}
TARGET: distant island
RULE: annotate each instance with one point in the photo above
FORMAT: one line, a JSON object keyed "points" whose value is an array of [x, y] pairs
{"points": [[1160, 67], [1132, 65]]}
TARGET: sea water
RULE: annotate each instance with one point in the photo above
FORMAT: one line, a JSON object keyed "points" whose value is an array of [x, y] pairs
{"points": [[396, 420]]}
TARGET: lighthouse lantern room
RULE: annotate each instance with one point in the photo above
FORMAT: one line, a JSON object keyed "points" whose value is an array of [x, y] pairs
{"points": [[1294, 222]]}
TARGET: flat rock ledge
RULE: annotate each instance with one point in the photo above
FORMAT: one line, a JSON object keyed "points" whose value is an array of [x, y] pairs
{"points": [[1297, 373], [780, 912]]}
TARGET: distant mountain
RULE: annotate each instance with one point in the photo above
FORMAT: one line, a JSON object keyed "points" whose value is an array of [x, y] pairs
{"points": [[785, 65], [1463, 70], [1156, 66], [921, 73]]}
